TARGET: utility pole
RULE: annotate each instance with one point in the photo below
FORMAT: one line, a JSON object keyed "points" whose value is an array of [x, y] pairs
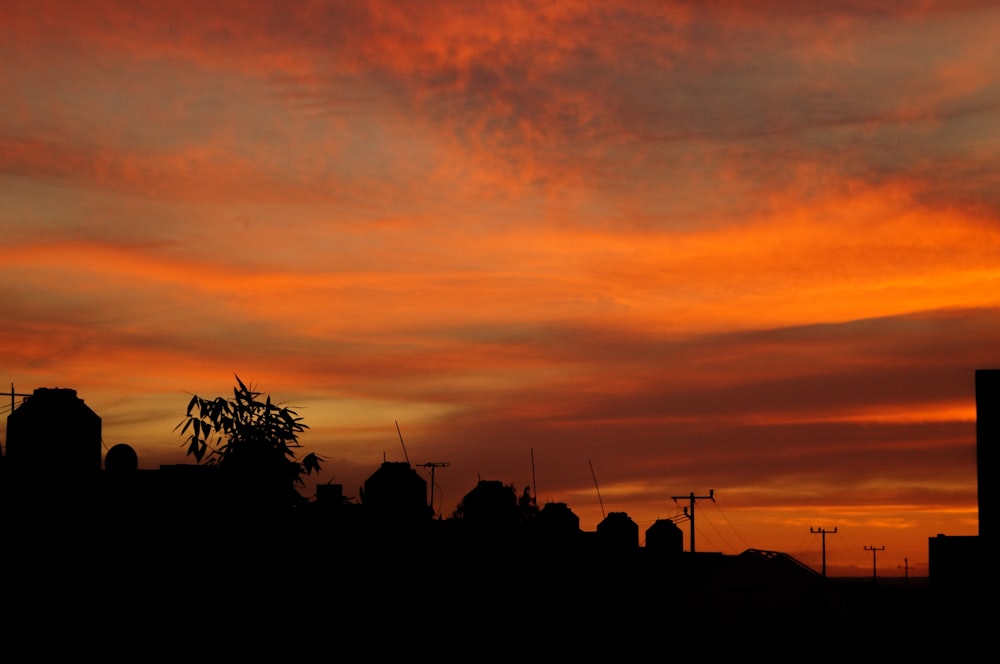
{"points": [[15, 394], [824, 533], [874, 550], [690, 514], [906, 570], [433, 465]]}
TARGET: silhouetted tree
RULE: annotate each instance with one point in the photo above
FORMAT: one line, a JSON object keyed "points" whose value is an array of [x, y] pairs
{"points": [[253, 442]]}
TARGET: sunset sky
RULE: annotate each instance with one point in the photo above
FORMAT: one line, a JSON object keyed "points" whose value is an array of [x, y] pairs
{"points": [[751, 247]]}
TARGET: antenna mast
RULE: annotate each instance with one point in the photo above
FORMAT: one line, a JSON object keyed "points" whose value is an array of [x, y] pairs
{"points": [[534, 487], [405, 455], [601, 500]]}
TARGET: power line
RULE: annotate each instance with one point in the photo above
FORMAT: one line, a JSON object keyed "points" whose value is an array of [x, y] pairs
{"points": [[731, 525], [722, 535]]}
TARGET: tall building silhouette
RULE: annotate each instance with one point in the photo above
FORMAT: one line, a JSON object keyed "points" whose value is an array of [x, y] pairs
{"points": [[987, 451], [955, 561]]}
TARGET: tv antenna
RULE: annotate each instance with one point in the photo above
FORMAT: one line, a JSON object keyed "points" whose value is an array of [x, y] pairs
{"points": [[405, 455], [599, 499], [534, 486]]}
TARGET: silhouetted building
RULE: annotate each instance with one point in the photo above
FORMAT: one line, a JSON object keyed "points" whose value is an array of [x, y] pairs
{"points": [[955, 562], [558, 519], [490, 500], [664, 536], [53, 429], [395, 485], [619, 530], [988, 452]]}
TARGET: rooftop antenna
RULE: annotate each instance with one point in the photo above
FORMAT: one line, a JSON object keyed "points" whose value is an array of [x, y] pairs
{"points": [[600, 500], [534, 486], [405, 455]]}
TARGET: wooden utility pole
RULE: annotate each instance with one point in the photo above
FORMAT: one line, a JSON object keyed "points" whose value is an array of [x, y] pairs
{"points": [[690, 513], [874, 550], [824, 533], [906, 570]]}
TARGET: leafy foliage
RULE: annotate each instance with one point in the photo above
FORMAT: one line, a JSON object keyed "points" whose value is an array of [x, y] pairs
{"points": [[253, 440]]}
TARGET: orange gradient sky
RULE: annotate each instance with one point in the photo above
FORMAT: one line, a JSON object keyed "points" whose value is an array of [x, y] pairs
{"points": [[751, 247]]}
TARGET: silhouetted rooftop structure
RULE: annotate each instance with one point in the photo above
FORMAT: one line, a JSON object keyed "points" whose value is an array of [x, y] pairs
{"points": [[395, 485], [490, 500], [558, 518], [619, 530], [665, 536], [53, 429]]}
